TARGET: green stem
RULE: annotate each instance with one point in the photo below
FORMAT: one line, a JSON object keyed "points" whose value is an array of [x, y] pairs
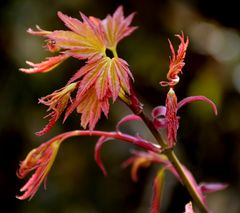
{"points": [[176, 163], [137, 109], [187, 183]]}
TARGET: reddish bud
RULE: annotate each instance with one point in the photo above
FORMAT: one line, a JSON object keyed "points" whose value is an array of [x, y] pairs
{"points": [[171, 117]]}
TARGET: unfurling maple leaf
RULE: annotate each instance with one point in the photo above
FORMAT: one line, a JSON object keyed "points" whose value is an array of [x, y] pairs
{"points": [[57, 103], [41, 160], [176, 62], [102, 77]]}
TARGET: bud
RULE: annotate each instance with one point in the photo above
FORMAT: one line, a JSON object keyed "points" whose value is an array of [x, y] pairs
{"points": [[171, 117]]}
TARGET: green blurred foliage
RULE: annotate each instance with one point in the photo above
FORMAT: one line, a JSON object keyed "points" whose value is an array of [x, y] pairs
{"points": [[208, 145]]}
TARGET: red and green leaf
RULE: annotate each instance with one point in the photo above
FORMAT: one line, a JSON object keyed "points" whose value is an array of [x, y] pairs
{"points": [[102, 77]]}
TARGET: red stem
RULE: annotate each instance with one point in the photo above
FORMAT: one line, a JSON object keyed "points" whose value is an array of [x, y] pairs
{"points": [[116, 135]]}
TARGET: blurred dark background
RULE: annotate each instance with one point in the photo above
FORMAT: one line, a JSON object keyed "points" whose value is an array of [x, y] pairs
{"points": [[208, 145]]}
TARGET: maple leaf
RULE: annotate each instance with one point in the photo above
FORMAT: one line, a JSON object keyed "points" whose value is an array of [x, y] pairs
{"points": [[101, 78]]}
